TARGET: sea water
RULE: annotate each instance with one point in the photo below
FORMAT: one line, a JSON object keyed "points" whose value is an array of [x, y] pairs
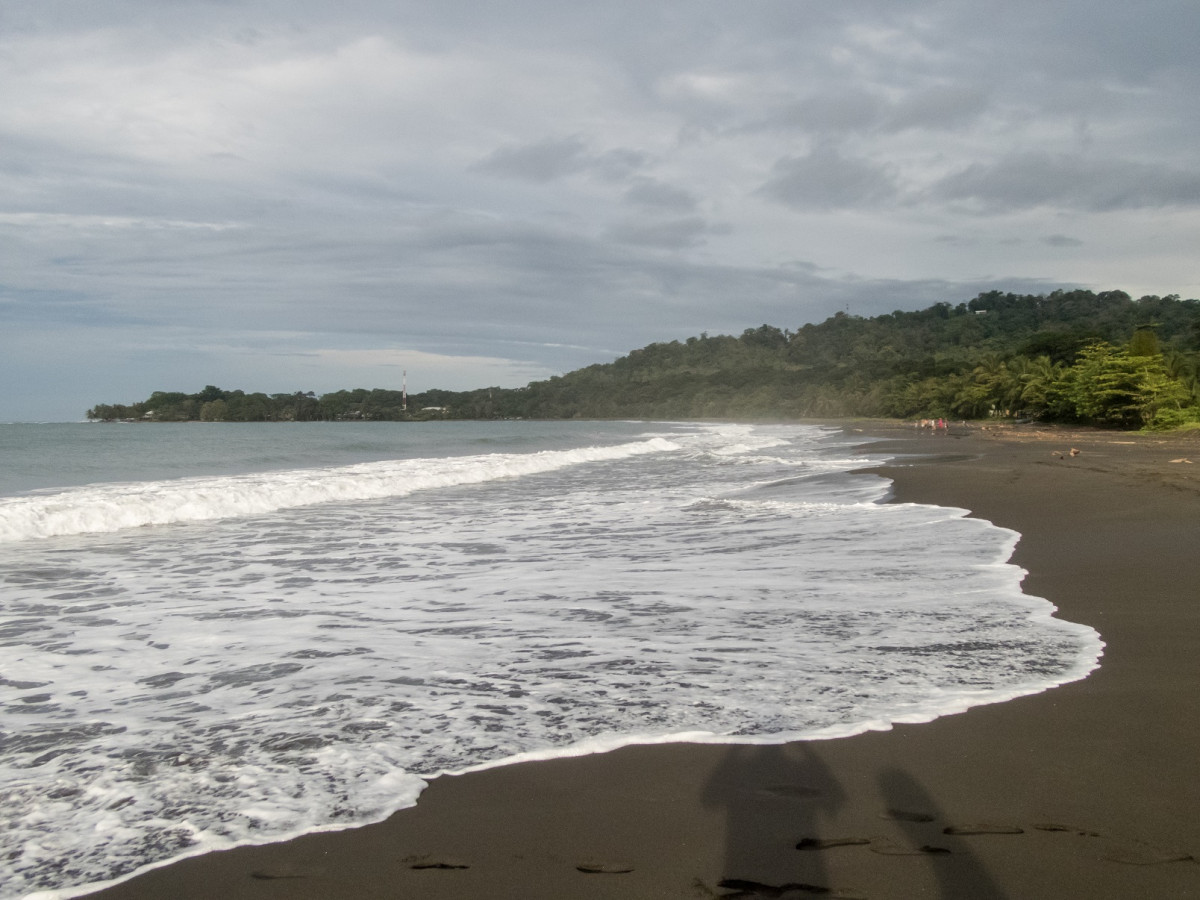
{"points": [[221, 634]]}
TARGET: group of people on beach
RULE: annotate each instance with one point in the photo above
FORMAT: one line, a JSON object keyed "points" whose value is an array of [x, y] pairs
{"points": [[932, 425]]}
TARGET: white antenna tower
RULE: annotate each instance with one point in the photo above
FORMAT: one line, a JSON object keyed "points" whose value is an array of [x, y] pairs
{"points": [[404, 391]]}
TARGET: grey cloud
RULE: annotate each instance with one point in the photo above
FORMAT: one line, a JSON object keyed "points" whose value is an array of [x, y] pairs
{"points": [[838, 110], [1075, 39], [826, 180], [1062, 240], [618, 165], [555, 158], [941, 107], [1028, 180], [653, 194], [541, 162], [851, 110], [674, 233]]}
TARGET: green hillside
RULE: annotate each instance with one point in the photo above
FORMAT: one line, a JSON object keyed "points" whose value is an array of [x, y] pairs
{"points": [[1069, 356]]}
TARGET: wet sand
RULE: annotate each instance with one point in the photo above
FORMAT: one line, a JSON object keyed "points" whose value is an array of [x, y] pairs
{"points": [[1090, 790]]}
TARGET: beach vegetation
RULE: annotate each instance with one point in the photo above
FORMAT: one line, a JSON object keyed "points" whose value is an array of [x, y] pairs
{"points": [[1112, 386], [1103, 359]]}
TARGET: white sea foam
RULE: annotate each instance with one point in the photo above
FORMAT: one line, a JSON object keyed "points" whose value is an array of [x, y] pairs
{"points": [[168, 691], [112, 507]]}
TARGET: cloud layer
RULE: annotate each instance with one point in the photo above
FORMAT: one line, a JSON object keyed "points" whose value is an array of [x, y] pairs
{"points": [[282, 196]]}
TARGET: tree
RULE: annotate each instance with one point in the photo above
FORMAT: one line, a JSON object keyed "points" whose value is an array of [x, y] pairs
{"points": [[214, 411], [1103, 386], [1144, 342], [999, 354], [1111, 386], [1042, 386], [1161, 397]]}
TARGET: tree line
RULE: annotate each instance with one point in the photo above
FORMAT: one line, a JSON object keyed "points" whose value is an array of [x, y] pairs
{"points": [[216, 405], [1067, 356]]}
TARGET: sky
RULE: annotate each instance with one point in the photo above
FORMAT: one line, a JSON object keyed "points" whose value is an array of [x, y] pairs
{"points": [[283, 195]]}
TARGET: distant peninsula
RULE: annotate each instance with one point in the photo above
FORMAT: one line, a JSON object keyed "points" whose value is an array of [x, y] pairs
{"points": [[1067, 356]]}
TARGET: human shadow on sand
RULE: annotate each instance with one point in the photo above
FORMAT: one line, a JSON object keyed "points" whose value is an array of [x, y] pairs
{"points": [[960, 874], [782, 804], [760, 787]]}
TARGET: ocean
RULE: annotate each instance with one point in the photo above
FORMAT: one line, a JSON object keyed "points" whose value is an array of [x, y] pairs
{"points": [[222, 634]]}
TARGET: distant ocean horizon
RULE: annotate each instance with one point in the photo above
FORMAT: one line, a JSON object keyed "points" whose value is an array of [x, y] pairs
{"points": [[224, 634]]}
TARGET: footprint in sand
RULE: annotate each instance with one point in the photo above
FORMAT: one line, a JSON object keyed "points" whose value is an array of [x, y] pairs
{"points": [[434, 862], [1135, 853], [1055, 826], [883, 845], [983, 828], [888, 847], [594, 867], [905, 815], [283, 873], [827, 843]]}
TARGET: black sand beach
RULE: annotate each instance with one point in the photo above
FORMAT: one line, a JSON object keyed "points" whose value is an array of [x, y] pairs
{"points": [[1089, 790]]}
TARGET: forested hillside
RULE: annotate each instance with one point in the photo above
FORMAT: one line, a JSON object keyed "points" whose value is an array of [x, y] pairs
{"points": [[1073, 356]]}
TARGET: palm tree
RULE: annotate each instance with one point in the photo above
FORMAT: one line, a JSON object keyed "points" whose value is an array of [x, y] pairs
{"points": [[1041, 387], [1184, 368]]}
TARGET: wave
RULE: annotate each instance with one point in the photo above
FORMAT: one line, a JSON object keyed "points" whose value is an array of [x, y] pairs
{"points": [[104, 508]]}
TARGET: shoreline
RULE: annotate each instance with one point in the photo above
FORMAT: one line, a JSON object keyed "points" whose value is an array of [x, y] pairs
{"points": [[1097, 774]]}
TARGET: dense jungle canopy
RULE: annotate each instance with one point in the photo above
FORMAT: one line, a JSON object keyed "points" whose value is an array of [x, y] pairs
{"points": [[1068, 356]]}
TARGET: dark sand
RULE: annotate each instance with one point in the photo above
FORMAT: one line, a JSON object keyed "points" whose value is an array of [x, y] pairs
{"points": [[1090, 790]]}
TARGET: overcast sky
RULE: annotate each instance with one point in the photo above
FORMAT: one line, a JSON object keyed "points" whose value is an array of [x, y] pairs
{"points": [[286, 195]]}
